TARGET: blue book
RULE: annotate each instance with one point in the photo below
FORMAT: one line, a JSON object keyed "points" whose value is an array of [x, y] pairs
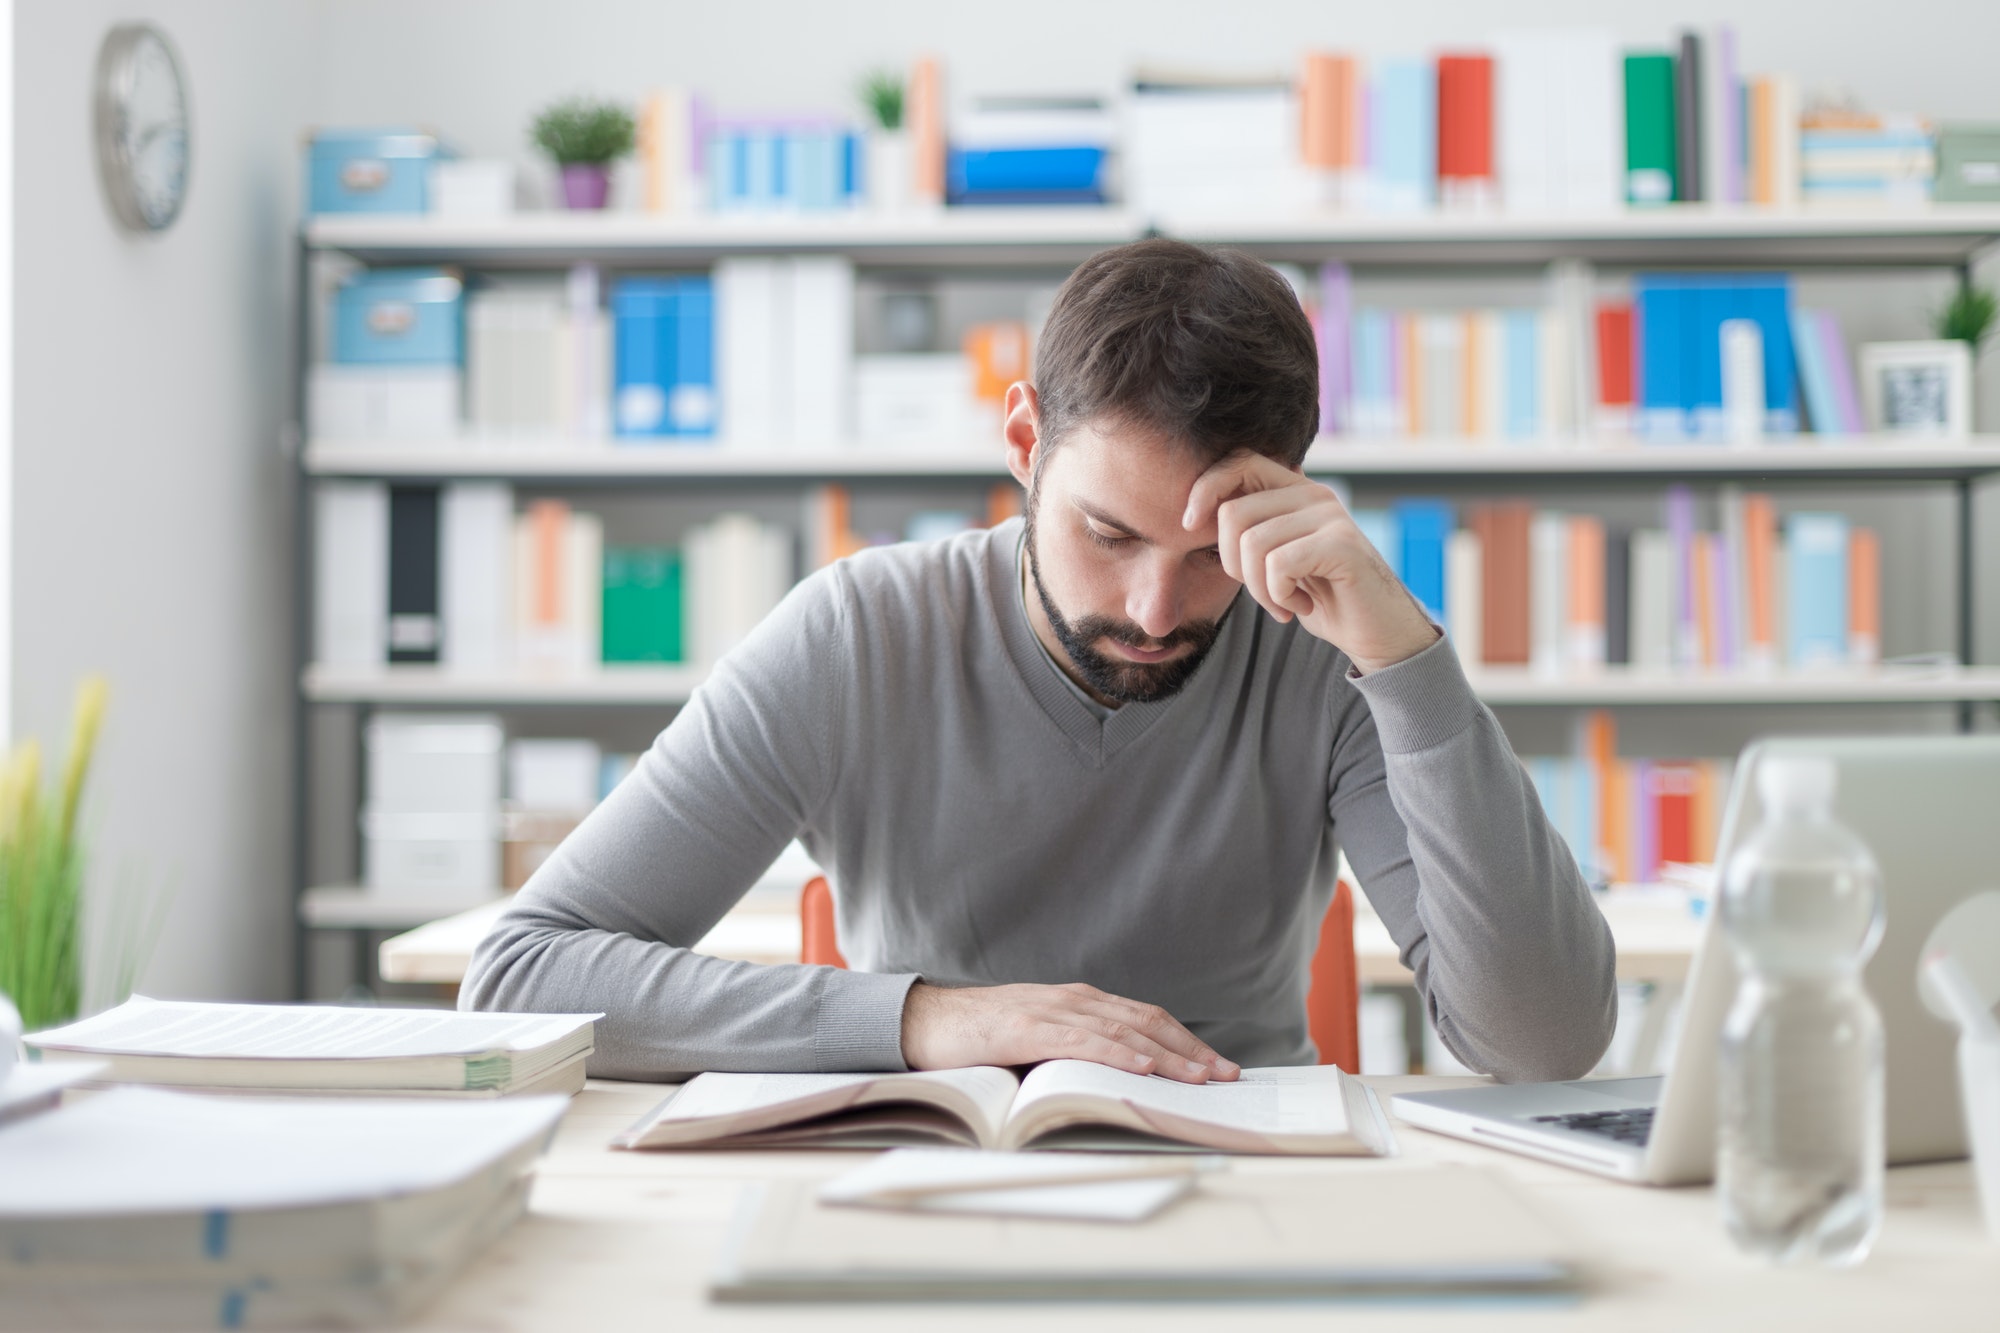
{"points": [[1373, 392], [1659, 304], [1424, 526], [1816, 589], [852, 186], [1767, 298], [763, 168], [691, 400], [1383, 532], [1545, 772], [1583, 842], [1710, 299], [1042, 174], [1402, 135], [1521, 379], [643, 327], [1815, 376]]}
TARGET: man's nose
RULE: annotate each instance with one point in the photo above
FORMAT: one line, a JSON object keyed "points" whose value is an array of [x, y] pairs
{"points": [[1154, 601]]}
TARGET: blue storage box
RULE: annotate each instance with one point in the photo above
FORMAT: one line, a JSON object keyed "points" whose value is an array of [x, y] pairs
{"points": [[400, 316], [1036, 175], [370, 171]]}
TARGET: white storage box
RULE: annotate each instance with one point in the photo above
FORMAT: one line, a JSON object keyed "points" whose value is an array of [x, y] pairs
{"points": [[384, 402], [553, 774], [435, 764], [411, 854], [921, 400]]}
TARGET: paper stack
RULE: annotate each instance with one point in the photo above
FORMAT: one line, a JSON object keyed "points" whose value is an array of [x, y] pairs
{"points": [[327, 1049], [148, 1209]]}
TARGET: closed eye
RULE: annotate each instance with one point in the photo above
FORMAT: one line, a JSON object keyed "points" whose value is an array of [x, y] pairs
{"points": [[1109, 541]]}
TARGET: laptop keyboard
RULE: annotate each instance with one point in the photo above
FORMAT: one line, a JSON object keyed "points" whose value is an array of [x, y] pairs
{"points": [[1633, 1126]]}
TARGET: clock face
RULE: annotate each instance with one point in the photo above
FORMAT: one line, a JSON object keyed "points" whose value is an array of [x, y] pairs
{"points": [[142, 129]]}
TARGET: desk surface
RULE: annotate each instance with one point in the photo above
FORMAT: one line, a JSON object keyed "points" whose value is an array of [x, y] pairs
{"points": [[1655, 936], [617, 1239]]}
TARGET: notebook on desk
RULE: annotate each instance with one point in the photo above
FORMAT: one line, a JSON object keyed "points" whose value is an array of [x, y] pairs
{"points": [[1925, 806], [1376, 1231]]}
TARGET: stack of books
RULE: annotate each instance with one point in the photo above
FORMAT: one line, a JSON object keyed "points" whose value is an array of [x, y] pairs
{"points": [[1029, 150], [138, 1208], [1851, 157], [322, 1049]]}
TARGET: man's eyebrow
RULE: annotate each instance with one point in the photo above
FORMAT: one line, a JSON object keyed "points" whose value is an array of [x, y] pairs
{"points": [[1092, 512]]}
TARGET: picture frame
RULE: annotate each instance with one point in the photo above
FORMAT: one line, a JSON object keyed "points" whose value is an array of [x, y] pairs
{"points": [[1917, 388]]}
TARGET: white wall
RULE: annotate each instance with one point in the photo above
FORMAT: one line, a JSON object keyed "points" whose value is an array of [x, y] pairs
{"points": [[150, 504]]}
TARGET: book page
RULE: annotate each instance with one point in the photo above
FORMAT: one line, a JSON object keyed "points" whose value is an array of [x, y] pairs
{"points": [[720, 1104], [143, 1026], [1286, 1106]]}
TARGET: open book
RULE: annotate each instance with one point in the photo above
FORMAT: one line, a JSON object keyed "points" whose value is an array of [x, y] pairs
{"points": [[1064, 1103]]}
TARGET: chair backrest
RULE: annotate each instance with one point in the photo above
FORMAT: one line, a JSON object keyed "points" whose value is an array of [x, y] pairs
{"points": [[1333, 1000]]}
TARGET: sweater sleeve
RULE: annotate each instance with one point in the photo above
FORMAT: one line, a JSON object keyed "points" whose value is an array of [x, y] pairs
{"points": [[607, 923], [1512, 958]]}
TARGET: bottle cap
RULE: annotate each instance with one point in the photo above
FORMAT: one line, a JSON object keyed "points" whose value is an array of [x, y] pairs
{"points": [[1796, 782]]}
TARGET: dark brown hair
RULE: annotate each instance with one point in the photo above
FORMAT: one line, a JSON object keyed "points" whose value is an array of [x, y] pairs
{"points": [[1206, 347]]}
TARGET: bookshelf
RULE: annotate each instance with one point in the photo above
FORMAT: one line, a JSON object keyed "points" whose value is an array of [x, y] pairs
{"points": [[1041, 241]]}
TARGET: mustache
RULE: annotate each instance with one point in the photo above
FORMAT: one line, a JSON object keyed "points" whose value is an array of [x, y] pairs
{"points": [[1093, 627]]}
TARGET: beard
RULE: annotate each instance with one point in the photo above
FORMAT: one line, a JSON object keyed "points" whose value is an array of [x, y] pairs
{"points": [[1113, 678]]}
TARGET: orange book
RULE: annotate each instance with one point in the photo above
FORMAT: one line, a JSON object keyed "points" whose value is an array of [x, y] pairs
{"points": [[1705, 814], [923, 113], [1705, 559], [999, 356], [1473, 369], [1586, 592], [1864, 597], [1618, 842], [1003, 501], [1319, 111], [1413, 375], [1599, 748], [1762, 144], [1760, 536], [549, 522]]}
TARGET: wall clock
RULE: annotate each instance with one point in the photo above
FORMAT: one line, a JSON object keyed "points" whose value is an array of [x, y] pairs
{"points": [[142, 127]]}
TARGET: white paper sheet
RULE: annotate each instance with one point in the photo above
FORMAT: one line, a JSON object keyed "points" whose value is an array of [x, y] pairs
{"points": [[143, 1026]]}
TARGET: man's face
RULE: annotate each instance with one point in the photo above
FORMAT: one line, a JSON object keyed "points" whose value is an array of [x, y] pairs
{"points": [[1134, 598]]}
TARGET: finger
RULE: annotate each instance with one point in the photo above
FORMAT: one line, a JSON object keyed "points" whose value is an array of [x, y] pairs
{"points": [[1239, 514], [1161, 1026], [1256, 546], [1165, 1062], [1291, 566], [1067, 1041], [1234, 474]]}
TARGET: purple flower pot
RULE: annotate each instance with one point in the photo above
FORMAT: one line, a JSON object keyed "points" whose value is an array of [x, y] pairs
{"points": [[585, 184]]}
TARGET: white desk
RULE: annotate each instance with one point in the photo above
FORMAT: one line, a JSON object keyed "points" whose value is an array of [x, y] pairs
{"points": [[617, 1240], [1655, 941]]}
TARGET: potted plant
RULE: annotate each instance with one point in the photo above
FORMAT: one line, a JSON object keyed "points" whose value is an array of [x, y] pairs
{"points": [[585, 137], [41, 874], [888, 162]]}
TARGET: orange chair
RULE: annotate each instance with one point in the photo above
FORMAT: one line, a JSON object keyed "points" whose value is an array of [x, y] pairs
{"points": [[1333, 1000]]}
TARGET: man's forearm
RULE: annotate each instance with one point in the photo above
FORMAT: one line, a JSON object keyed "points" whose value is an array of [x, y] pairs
{"points": [[1508, 946]]}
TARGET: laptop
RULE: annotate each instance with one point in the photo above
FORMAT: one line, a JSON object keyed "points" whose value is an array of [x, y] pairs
{"points": [[1929, 809]]}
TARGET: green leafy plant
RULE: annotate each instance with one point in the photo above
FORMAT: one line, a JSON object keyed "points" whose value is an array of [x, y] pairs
{"points": [[41, 872], [882, 94], [584, 131], [1968, 317]]}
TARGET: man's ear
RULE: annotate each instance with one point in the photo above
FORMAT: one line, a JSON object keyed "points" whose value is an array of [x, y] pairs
{"points": [[1023, 430]]}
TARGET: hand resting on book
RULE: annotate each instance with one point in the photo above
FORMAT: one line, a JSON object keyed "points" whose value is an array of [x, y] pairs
{"points": [[955, 1027]]}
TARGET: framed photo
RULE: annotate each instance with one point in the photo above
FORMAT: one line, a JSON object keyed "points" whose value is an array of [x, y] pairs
{"points": [[1918, 388]]}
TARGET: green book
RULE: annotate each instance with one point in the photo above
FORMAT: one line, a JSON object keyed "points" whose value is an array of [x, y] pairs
{"points": [[1649, 130], [642, 604]]}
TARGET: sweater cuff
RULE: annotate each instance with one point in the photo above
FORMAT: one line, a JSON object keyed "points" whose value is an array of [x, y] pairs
{"points": [[1420, 701], [859, 1025]]}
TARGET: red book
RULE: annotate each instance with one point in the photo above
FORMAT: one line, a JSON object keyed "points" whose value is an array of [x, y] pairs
{"points": [[1674, 787], [1503, 544], [1465, 131], [1614, 355]]}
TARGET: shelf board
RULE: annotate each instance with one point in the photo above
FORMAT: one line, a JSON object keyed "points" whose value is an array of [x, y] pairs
{"points": [[1936, 234], [1498, 686], [983, 237], [1884, 685], [665, 685], [586, 459], [1808, 458], [352, 907], [1933, 234]]}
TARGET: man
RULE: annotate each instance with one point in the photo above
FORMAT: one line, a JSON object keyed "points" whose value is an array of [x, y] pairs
{"points": [[1078, 781]]}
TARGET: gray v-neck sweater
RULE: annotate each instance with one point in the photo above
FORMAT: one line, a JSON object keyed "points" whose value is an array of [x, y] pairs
{"points": [[981, 826]]}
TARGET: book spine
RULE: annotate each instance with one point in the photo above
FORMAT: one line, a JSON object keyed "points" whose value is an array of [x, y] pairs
{"points": [[415, 631], [1548, 603], [1587, 646], [1689, 103], [1465, 132], [1336, 350], [350, 573], [1614, 367], [1652, 600], [1506, 635], [822, 359], [924, 115], [1864, 597], [1680, 531], [1725, 120], [1618, 598], [1840, 370], [1816, 566], [1464, 589], [1650, 152], [1759, 546], [476, 520], [1424, 526]]}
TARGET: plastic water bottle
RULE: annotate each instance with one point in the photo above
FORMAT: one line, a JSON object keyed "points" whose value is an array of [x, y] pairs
{"points": [[1800, 1167]]}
